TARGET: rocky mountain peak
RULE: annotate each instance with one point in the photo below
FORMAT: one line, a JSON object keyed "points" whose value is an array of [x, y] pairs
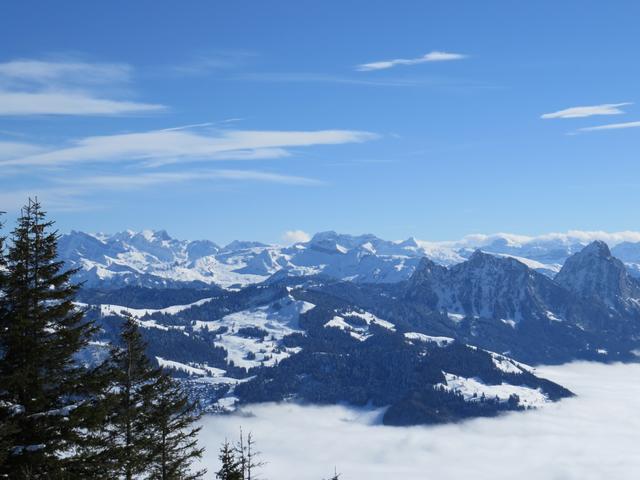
{"points": [[426, 265], [597, 248], [595, 273], [479, 257], [410, 242]]}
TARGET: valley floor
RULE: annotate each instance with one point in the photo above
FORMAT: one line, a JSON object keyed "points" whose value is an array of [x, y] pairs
{"points": [[590, 437]]}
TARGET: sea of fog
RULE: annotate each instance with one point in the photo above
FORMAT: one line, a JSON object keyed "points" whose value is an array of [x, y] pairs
{"points": [[591, 437]]}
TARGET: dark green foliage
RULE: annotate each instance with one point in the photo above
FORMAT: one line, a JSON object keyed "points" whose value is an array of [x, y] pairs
{"points": [[147, 427], [145, 297], [229, 464], [241, 461], [334, 368], [383, 370], [248, 457], [198, 347], [131, 393], [6, 422], [434, 405], [43, 389], [252, 332], [170, 416], [60, 419]]}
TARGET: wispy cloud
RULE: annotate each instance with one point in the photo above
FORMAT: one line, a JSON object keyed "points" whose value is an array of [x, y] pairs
{"points": [[611, 126], [188, 144], [588, 111], [72, 194], [37, 87], [306, 77], [117, 182], [67, 103], [440, 82], [47, 72], [202, 64], [66, 178], [429, 57], [9, 150]]}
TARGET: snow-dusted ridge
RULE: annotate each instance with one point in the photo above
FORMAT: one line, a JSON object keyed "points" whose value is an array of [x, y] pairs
{"points": [[153, 258]]}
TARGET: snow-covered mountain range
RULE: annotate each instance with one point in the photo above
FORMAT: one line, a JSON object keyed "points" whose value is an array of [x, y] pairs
{"points": [[320, 327], [281, 341], [154, 259]]}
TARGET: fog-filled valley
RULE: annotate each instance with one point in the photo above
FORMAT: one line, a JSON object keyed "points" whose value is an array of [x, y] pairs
{"points": [[589, 437]]}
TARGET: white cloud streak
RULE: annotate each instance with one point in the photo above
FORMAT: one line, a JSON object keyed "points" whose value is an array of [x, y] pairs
{"points": [[429, 57], [54, 199], [186, 145], [611, 126], [68, 194], [206, 63], [152, 179], [588, 111], [9, 150], [574, 439], [47, 72], [35, 87], [67, 103]]}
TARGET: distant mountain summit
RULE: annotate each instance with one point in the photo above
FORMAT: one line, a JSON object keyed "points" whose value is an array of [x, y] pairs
{"points": [[593, 273], [590, 310], [487, 286], [153, 258]]}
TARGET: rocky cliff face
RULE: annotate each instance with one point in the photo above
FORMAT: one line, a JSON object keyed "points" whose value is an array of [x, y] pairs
{"points": [[594, 274], [488, 286]]}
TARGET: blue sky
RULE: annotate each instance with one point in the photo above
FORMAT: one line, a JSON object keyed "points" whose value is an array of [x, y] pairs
{"points": [[240, 119]]}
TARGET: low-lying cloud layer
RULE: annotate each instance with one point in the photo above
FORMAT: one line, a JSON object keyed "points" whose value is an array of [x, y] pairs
{"points": [[591, 437]]}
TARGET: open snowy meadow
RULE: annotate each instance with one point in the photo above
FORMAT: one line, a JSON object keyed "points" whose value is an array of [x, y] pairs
{"points": [[590, 437]]}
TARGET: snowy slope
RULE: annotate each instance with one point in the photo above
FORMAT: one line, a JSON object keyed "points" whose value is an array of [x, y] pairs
{"points": [[251, 337], [274, 321]]}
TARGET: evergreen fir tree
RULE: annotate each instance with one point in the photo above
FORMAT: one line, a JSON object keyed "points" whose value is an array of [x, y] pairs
{"points": [[248, 457], [335, 476], [7, 427], [230, 466], [240, 451], [175, 440], [253, 459], [128, 434], [96, 450], [41, 331]]}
